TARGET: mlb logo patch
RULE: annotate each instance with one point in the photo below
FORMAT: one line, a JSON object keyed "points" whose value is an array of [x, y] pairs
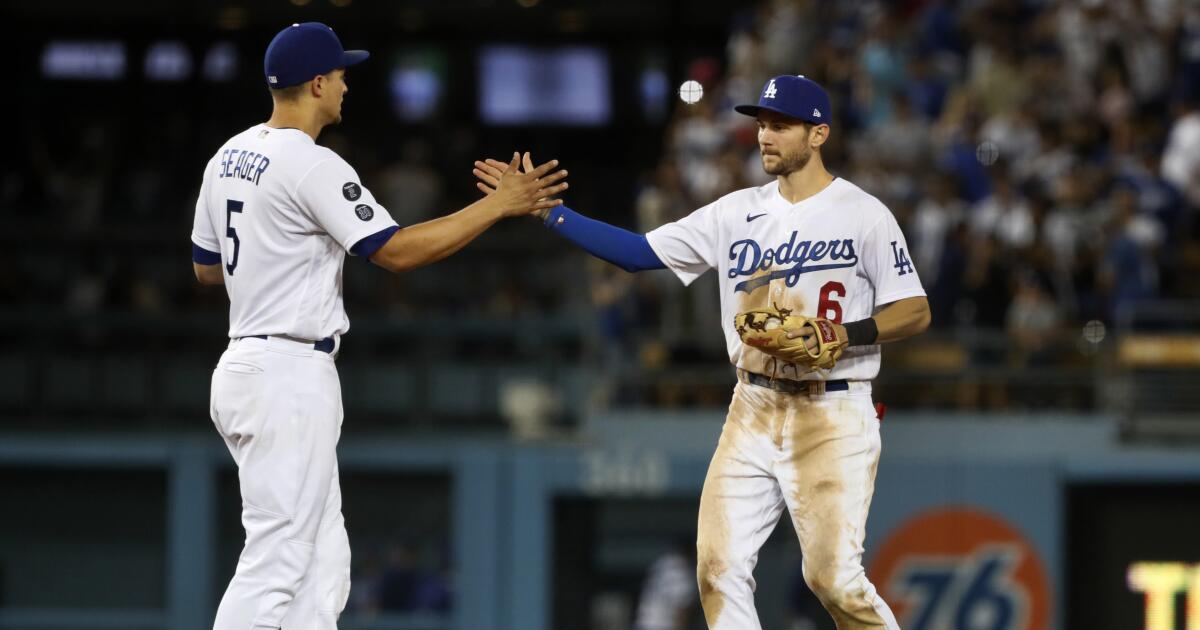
{"points": [[272, 79]]}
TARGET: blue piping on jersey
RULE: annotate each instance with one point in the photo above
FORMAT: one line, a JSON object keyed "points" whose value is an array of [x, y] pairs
{"points": [[202, 256], [368, 245], [625, 249]]}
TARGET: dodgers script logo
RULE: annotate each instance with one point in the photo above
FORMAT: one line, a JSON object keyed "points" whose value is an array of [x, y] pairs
{"points": [[749, 257]]}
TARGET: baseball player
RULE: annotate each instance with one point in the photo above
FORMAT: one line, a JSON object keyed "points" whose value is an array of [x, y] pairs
{"points": [[275, 217], [801, 433]]}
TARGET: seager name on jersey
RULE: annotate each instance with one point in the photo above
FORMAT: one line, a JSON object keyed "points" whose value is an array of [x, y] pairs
{"points": [[750, 258], [246, 165]]}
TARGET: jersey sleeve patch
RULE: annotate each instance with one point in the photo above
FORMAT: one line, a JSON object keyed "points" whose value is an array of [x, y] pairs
{"points": [[332, 195]]}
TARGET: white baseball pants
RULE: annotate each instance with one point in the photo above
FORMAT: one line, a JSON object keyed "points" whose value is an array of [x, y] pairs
{"points": [[815, 455], [278, 405]]}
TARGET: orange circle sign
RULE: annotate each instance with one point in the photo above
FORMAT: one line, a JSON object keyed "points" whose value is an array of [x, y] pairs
{"points": [[960, 569]]}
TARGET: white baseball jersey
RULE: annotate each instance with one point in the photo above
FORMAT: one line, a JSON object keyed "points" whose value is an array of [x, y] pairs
{"points": [[282, 212], [838, 254]]}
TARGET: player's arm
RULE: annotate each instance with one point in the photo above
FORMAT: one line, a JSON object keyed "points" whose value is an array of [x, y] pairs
{"points": [[209, 274], [899, 320], [899, 296], [623, 248], [903, 307], [516, 194], [902, 319]]}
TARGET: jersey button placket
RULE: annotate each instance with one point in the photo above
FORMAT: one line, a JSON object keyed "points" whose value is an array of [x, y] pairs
{"points": [[779, 292]]}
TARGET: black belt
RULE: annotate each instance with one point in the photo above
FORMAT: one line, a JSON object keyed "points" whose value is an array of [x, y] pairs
{"points": [[788, 386], [325, 345]]}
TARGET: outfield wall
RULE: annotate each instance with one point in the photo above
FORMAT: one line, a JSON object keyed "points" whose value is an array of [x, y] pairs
{"points": [[1010, 521]]}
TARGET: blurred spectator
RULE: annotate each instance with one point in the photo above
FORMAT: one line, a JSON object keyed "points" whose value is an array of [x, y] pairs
{"points": [[789, 28], [1033, 319], [925, 90], [1156, 196], [995, 79], [411, 189], [669, 594], [1014, 134], [1049, 161], [985, 285], [903, 139], [935, 216], [696, 140], [1085, 29], [1181, 158], [1129, 272], [663, 199], [882, 66], [1004, 215]]}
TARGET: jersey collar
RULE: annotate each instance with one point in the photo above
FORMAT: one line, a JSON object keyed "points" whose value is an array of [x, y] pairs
{"points": [[776, 200], [299, 131]]}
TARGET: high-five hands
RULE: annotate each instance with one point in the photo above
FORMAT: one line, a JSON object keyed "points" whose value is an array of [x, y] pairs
{"points": [[491, 174], [520, 192]]}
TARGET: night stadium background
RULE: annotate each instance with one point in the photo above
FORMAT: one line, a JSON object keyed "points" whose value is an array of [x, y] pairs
{"points": [[526, 428]]}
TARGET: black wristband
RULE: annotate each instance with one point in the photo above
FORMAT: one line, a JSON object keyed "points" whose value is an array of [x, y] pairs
{"points": [[862, 332]]}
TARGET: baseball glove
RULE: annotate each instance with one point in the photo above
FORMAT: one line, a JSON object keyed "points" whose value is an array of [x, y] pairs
{"points": [[766, 329]]}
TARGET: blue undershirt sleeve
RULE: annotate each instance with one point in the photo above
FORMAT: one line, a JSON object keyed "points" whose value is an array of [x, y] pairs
{"points": [[625, 249], [370, 244]]}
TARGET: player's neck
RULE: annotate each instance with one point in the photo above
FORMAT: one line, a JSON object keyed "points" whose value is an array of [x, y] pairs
{"points": [[285, 117], [806, 182]]}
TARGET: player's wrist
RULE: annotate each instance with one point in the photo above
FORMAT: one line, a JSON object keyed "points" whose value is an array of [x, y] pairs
{"points": [[495, 208], [550, 216], [863, 332]]}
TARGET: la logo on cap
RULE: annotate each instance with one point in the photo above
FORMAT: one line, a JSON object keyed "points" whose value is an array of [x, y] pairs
{"points": [[770, 91]]}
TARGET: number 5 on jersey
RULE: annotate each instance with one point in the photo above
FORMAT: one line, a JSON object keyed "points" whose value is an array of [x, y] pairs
{"points": [[232, 206]]}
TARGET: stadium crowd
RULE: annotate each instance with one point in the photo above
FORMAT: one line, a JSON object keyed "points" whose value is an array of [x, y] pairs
{"points": [[1042, 156]]}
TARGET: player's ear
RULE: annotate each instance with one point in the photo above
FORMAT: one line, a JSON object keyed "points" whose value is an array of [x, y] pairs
{"points": [[818, 135], [317, 86]]}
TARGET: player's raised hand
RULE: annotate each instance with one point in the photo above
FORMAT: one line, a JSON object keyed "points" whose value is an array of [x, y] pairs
{"points": [[521, 192], [489, 172]]}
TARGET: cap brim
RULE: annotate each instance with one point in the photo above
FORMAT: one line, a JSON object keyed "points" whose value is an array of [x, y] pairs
{"points": [[753, 110], [749, 110], [351, 57]]}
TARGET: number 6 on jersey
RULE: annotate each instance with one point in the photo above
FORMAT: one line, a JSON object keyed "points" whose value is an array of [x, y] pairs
{"points": [[827, 307]]}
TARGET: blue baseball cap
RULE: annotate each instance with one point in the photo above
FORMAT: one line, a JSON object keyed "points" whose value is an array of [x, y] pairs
{"points": [[302, 51], [794, 96]]}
